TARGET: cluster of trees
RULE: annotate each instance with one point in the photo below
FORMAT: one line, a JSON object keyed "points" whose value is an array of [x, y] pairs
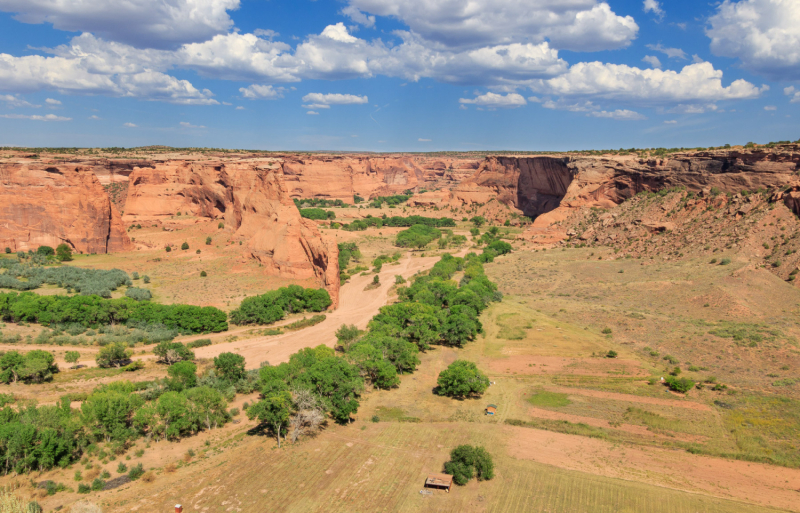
{"points": [[398, 222], [39, 438], [275, 304], [301, 393], [418, 236], [317, 214], [32, 367], [94, 311], [85, 281], [319, 202], [392, 201], [347, 251]]}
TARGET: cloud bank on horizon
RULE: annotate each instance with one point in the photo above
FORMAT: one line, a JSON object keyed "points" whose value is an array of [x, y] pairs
{"points": [[584, 57]]}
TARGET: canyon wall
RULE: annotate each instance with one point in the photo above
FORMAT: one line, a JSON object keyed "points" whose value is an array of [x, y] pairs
{"points": [[251, 197], [46, 204]]}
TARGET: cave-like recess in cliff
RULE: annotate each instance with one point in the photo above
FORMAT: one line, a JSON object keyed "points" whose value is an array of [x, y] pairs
{"points": [[542, 184]]}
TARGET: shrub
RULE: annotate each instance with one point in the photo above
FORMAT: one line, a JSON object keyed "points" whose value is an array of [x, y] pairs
{"points": [[203, 274], [462, 379], [199, 343], [83, 488], [725, 261], [8, 251], [98, 484], [138, 294], [417, 236], [221, 225], [208, 241], [173, 352], [113, 355], [467, 461], [136, 472], [122, 468], [185, 246], [45, 250], [611, 354], [681, 385], [168, 249], [146, 279]]}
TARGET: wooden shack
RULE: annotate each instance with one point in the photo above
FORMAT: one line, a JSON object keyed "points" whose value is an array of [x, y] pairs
{"points": [[491, 409], [439, 481]]}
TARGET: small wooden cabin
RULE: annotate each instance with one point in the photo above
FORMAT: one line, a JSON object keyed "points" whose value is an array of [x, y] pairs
{"points": [[491, 409], [439, 481]]}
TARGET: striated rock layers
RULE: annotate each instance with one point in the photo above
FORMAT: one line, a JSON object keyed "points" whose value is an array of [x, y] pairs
{"points": [[251, 197], [343, 177], [46, 204], [549, 188]]}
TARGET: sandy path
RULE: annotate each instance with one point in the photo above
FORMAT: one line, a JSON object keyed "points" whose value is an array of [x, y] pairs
{"points": [[356, 306], [750, 482]]}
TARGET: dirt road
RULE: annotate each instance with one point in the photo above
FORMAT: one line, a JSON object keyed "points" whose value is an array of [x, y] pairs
{"points": [[356, 306]]}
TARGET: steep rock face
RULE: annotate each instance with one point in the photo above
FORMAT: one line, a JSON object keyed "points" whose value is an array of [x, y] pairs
{"points": [[251, 197], [549, 188], [342, 177], [46, 204]]}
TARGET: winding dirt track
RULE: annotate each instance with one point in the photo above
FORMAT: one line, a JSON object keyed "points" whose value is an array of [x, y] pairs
{"points": [[356, 306]]}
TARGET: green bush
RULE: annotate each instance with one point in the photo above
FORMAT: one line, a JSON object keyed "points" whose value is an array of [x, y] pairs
{"points": [[138, 294], [208, 241], [185, 246], [417, 236], [274, 305], [199, 343], [317, 214], [45, 250], [136, 472], [64, 253], [681, 385], [467, 461], [461, 379]]}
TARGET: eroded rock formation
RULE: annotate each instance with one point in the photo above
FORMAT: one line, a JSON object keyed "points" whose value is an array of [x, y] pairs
{"points": [[252, 198], [46, 204]]}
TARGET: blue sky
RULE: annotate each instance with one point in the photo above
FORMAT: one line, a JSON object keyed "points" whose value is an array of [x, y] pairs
{"points": [[398, 75]]}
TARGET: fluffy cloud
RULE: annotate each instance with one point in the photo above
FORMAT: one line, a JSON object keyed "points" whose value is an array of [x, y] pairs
{"points": [[48, 117], [93, 66], [581, 25], [359, 17], [141, 23], [763, 34], [621, 114], [654, 7], [261, 92], [53, 102], [326, 100], [592, 110], [652, 60], [695, 83], [496, 101], [792, 93]]}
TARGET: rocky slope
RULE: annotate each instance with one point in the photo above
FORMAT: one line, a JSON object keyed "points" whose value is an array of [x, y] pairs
{"points": [[251, 198], [52, 203]]}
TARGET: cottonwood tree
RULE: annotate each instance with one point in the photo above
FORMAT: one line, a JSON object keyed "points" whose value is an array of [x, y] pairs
{"points": [[72, 357], [462, 379], [113, 355], [274, 411]]}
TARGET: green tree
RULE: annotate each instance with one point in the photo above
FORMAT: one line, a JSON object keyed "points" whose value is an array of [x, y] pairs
{"points": [[230, 366], [182, 375], [209, 404], [45, 250], [478, 221], [208, 241], [64, 252], [273, 410], [115, 354], [108, 413], [72, 357], [347, 335], [462, 379], [185, 246], [176, 415], [467, 461]]}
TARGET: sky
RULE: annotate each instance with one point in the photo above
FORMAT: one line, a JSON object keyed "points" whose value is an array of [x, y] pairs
{"points": [[399, 75]]}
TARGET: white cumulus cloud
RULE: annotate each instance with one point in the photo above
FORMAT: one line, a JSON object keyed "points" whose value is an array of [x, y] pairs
{"points": [[261, 92], [581, 25], [652, 60], [763, 34], [51, 101], [319, 99], [141, 23], [672, 53], [496, 101], [15, 101], [793, 93]]}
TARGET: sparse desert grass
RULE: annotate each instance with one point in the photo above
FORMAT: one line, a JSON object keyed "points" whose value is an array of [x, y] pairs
{"points": [[512, 326], [547, 399]]}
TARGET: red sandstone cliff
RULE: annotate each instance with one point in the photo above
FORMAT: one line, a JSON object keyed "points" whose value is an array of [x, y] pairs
{"points": [[251, 197], [46, 204]]}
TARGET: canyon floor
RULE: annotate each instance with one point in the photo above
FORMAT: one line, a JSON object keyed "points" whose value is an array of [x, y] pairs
{"points": [[575, 431]]}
